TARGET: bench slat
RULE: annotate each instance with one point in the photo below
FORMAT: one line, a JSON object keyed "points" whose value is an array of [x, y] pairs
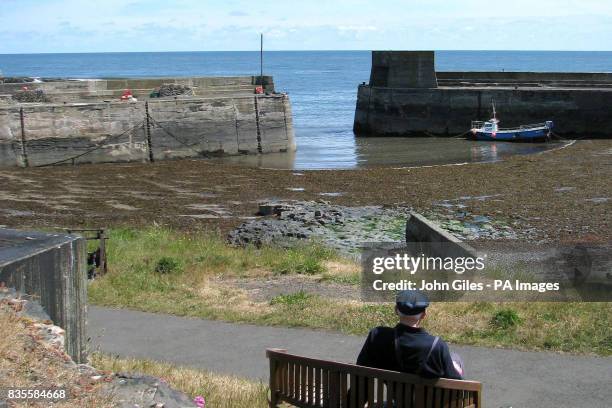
{"points": [[343, 389], [438, 397], [470, 401], [409, 390], [309, 383], [325, 402], [380, 394], [370, 388], [429, 397], [361, 387], [353, 391], [273, 376], [291, 380], [398, 389], [317, 387], [446, 399], [303, 383], [419, 395], [284, 378]]}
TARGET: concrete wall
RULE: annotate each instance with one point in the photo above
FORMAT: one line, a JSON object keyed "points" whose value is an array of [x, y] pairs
{"points": [[403, 69], [402, 99], [183, 127], [449, 111], [52, 268], [537, 77]]}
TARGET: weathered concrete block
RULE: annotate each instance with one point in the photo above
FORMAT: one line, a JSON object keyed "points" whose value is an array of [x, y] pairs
{"points": [[52, 268], [437, 241], [403, 69]]}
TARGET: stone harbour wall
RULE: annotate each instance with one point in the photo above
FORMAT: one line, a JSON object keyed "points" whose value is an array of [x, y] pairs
{"points": [[407, 97], [449, 111], [116, 131]]}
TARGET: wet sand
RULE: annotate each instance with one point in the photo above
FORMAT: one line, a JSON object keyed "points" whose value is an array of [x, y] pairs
{"points": [[566, 194]]}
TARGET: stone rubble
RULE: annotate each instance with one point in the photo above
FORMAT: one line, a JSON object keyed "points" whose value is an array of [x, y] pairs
{"points": [[132, 391], [30, 96], [127, 390], [174, 90]]}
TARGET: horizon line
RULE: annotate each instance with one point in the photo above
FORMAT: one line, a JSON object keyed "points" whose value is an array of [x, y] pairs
{"points": [[314, 50]]}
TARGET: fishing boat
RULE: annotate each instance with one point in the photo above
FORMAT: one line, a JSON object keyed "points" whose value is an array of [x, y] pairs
{"points": [[490, 130]]}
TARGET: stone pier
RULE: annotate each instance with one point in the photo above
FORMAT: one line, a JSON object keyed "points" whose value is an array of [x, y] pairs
{"points": [[407, 97], [85, 121]]}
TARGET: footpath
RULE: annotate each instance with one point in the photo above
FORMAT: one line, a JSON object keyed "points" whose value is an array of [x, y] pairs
{"points": [[511, 378]]}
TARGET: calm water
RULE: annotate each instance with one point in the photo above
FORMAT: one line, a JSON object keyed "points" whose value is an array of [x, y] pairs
{"points": [[323, 88]]}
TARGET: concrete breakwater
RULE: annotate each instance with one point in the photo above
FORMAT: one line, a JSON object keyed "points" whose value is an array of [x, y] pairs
{"points": [[85, 121], [407, 97]]}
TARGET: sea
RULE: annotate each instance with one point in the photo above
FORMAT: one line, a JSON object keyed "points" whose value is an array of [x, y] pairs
{"points": [[322, 86]]}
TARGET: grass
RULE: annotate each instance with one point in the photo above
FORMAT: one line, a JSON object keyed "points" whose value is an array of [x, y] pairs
{"points": [[25, 362], [219, 391], [194, 286]]}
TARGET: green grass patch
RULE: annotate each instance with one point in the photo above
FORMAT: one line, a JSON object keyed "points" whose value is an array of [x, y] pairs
{"points": [[193, 285], [168, 264], [505, 319], [294, 299]]}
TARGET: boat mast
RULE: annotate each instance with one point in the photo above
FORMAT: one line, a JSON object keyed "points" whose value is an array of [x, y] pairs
{"points": [[493, 104]]}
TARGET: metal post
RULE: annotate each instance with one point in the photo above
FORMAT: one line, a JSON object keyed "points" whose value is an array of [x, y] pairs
{"points": [[261, 60], [148, 129], [257, 125], [24, 153], [102, 238]]}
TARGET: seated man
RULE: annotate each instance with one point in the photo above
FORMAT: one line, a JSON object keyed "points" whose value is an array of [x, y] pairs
{"points": [[409, 348]]}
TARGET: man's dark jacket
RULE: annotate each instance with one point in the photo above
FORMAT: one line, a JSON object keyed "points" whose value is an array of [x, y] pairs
{"points": [[379, 351]]}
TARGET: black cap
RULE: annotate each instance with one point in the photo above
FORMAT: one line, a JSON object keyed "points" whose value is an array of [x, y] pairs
{"points": [[411, 302]]}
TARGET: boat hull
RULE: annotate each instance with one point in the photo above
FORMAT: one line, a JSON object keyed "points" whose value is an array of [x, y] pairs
{"points": [[519, 135]]}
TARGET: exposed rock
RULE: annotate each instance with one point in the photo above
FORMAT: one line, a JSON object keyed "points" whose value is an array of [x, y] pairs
{"points": [[340, 227], [23, 304], [51, 334], [140, 391], [347, 228]]}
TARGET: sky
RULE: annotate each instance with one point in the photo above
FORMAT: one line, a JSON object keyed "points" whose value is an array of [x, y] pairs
{"points": [[38, 26]]}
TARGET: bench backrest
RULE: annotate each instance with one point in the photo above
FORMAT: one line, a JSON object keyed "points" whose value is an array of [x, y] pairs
{"points": [[308, 382]]}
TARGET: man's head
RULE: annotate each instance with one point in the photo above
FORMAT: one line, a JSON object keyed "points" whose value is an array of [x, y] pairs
{"points": [[411, 306]]}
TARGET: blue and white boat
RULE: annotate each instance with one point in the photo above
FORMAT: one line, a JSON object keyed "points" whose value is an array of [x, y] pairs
{"points": [[491, 131]]}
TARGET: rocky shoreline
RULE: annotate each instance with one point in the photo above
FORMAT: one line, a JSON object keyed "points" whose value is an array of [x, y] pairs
{"points": [[347, 228]]}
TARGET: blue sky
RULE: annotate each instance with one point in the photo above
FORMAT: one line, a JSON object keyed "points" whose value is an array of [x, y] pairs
{"points": [[33, 26]]}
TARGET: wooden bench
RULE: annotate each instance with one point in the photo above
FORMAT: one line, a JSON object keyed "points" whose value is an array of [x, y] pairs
{"points": [[308, 382]]}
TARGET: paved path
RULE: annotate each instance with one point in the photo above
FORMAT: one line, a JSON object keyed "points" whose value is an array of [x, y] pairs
{"points": [[511, 378]]}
